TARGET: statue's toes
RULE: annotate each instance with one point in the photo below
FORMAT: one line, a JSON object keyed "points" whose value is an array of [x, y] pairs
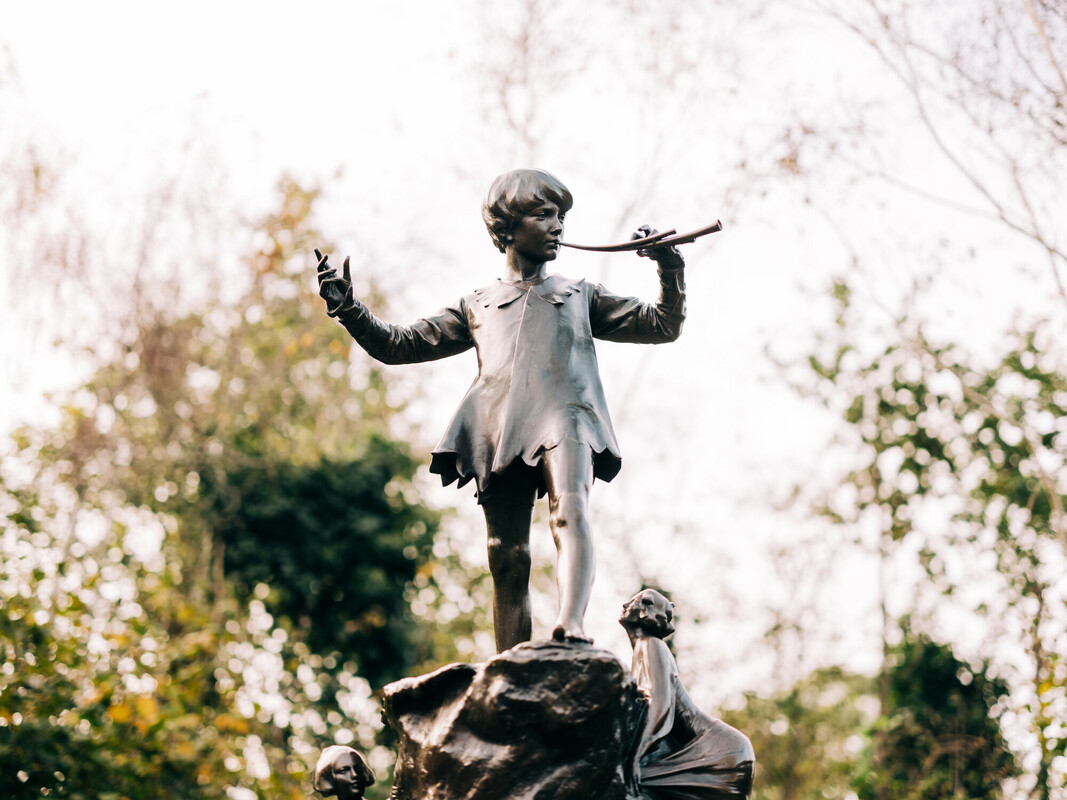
{"points": [[561, 634]]}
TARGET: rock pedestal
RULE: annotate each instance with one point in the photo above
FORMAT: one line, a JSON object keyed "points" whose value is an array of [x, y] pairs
{"points": [[542, 721]]}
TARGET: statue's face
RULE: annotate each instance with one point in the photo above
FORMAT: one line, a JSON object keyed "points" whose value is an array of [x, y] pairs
{"points": [[348, 778], [536, 235], [650, 612]]}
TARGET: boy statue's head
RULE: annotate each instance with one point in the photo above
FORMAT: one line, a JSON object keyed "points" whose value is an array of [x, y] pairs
{"points": [[515, 194]]}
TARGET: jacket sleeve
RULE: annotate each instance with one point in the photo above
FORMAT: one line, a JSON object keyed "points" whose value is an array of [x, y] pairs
{"points": [[627, 319], [444, 334]]}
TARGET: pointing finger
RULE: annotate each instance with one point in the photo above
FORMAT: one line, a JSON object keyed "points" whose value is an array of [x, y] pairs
{"points": [[323, 265], [346, 272]]}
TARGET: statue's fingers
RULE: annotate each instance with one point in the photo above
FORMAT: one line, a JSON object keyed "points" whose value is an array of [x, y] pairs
{"points": [[346, 271], [326, 282]]}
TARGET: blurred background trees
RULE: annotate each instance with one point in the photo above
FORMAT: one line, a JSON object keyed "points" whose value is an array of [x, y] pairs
{"points": [[937, 735], [959, 491], [209, 559], [956, 482]]}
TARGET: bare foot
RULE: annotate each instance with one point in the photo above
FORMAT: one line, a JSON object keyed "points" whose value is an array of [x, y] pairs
{"points": [[561, 634]]}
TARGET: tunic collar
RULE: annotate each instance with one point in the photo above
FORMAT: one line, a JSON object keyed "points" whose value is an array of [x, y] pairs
{"points": [[553, 289]]}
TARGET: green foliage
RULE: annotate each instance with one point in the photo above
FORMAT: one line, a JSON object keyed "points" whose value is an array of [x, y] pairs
{"points": [[95, 702], [962, 464], [807, 739], [336, 543], [936, 736], [205, 564]]}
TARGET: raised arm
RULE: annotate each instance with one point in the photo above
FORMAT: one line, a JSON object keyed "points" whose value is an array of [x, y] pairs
{"points": [[442, 335], [628, 319]]}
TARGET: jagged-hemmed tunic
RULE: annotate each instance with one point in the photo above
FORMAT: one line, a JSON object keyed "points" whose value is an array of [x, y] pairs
{"points": [[538, 383]]}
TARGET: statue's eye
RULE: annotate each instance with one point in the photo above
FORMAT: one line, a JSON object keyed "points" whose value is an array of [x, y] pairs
{"points": [[646, 601]]}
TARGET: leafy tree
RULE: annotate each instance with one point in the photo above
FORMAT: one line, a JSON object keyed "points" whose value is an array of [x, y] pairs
{"points": [[96, 699], [336, 550], [962, 456], [808, 738], [206, 562], [59, 739], [962, 464], [936, 736]]}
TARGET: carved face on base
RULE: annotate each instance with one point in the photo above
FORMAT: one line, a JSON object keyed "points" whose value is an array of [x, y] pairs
{"points": [[341, 771], [648, 613]]}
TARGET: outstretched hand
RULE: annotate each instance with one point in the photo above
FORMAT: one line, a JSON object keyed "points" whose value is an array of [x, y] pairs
{"points": [[335, 289], [658, 254]]}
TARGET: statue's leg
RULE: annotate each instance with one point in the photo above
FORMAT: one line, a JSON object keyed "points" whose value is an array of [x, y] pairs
{"points": [[568, 469], [508, 509]]}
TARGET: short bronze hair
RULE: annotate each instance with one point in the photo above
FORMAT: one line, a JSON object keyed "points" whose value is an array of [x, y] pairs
{"points": [[516, 193]]}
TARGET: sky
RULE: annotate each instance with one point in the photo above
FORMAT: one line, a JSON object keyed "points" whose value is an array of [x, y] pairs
{"points": [[392, 107]]}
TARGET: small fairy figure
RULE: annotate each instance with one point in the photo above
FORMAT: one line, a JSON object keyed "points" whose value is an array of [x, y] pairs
{"points": [[683, 754]]}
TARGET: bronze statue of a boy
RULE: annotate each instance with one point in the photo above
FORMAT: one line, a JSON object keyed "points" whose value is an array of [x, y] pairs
{"points": [[535, 420]]}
